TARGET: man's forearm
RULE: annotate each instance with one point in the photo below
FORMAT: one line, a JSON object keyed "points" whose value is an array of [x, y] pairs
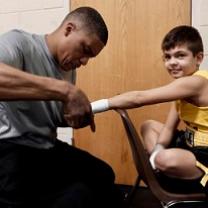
{"points": [[16, 84]]}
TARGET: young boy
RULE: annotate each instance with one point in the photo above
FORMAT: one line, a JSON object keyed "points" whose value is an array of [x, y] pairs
{"points": [[187, 157]]}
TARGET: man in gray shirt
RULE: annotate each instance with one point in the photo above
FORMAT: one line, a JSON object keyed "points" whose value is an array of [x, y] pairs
{"points": [[37, 94]]}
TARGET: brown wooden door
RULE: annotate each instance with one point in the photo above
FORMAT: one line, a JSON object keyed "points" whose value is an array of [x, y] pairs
{"points": [[130, 61]]}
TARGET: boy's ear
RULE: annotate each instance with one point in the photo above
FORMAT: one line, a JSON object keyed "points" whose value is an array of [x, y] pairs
{"points": [[199, 57]]}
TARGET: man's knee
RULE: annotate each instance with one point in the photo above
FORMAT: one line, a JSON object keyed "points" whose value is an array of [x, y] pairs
{"points": [[101, 173], [108, 172]]}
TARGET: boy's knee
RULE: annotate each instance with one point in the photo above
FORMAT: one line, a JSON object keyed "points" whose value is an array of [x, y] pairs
{"points": [[164, 161], [146, 126]]}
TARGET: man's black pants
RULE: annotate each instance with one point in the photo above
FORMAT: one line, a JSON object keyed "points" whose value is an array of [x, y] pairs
{"points": [[59, 177]]}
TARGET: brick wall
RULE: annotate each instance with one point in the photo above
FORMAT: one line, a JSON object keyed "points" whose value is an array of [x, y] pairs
{"points": [[200, 21], [36, 16], [39, 16]]}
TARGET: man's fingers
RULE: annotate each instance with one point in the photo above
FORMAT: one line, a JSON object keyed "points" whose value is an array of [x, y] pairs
{"points": [[81, 122], [92, 124]]}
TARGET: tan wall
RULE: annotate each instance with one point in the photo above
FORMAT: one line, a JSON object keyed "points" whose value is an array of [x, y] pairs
{"points": [[37, 16]]}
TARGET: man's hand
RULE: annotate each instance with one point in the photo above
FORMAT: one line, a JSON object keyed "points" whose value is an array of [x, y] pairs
{"points": [[77, 110]]}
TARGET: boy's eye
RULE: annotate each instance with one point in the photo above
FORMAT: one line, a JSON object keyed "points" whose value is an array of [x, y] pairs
{"points": [[166, 57], [180, 55]]}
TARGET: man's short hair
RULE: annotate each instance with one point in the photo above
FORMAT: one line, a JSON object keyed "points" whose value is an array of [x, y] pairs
{"points": [[92, 21], [181, 35]]}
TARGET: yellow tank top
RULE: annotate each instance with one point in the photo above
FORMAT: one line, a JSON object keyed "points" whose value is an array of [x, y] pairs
{"points": [[196, 117]]}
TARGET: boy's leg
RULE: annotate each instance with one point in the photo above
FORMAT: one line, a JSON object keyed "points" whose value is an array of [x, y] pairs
{"points": [[173, 162], [178, 163], [150, 131]]}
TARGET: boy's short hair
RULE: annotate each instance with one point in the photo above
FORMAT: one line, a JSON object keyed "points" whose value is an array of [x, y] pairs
{"points": [[183, 35], [92, 21]]}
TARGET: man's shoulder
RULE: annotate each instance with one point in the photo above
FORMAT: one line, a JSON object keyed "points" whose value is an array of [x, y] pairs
{"points": [[16, 31], [20, 39], [17, 34], [14, 35]]}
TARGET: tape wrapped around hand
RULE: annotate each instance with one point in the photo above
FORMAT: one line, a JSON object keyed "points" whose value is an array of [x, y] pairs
{"points": [[100, 106], [156, 150]]}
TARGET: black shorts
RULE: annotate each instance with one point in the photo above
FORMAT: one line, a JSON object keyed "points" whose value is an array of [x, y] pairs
{"points": [[201, 153]]}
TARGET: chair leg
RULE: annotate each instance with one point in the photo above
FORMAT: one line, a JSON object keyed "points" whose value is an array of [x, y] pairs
{"points": [[129, 197]]}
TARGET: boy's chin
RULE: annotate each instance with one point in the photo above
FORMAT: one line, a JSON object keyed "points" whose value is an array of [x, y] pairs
{"points": [[176, 76]]}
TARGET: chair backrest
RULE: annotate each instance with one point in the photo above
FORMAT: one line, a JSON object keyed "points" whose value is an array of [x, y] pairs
{"points": [[144, 169]]}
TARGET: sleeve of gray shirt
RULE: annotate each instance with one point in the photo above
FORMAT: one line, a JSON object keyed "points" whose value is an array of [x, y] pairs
{"points": [[10, 53]]}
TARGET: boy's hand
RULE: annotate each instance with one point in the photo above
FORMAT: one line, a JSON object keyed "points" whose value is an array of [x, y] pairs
{"points": [[154, 153]]}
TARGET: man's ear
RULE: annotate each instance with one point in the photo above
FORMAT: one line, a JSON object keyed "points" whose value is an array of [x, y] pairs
{"points": [[69, 27]]}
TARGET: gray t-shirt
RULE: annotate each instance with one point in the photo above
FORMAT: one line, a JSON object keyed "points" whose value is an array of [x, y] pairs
{"points": [[36, 121]]}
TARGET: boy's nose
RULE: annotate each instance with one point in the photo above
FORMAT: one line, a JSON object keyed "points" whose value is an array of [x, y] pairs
{"points": [[84, 60], [173, 61]]}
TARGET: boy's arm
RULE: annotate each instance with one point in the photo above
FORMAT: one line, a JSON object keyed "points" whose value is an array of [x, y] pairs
{"points": [[169, 128], [18, 85], [191, 87], [166, 134]]}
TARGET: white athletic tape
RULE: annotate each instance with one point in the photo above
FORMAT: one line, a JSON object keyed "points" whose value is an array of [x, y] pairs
{"points": [[100, 106], [156, 150]]}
